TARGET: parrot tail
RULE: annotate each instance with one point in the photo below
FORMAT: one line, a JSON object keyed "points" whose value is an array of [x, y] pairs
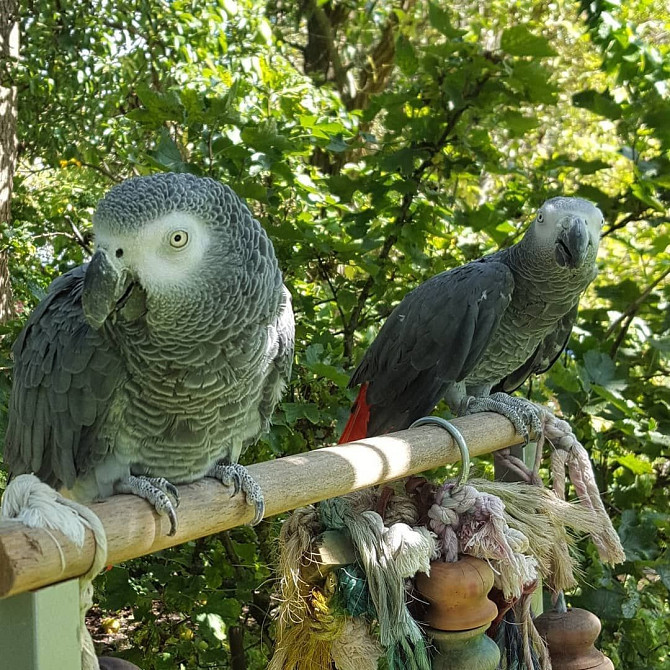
{"points": [[357, 426]]}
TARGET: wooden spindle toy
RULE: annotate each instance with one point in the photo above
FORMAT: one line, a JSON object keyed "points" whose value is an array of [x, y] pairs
{"points": [[459, 613], [570, 637]]}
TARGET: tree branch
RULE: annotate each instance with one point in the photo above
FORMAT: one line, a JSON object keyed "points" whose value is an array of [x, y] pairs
{"points": [[78, 236], [636, 216], [628, 315], [379, 64], [238, 659], [104, 171], [326, 276], [325, 28]]}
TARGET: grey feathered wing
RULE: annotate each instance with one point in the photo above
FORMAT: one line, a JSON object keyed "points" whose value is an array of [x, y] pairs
{"points": [[433, 338], [282, 340], [64, 376], [544, 356]]}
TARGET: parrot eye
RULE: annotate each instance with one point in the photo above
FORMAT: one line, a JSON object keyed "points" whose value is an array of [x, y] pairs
{"points": [[178, 239], [540, 217]]}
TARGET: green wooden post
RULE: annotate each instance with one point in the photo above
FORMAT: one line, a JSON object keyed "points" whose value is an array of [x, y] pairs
{"points": [[464, 649], [39, 630]]}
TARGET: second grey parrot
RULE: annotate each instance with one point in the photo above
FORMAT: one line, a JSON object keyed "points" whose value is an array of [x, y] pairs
{"points": [[482, 327], [160, 361]]}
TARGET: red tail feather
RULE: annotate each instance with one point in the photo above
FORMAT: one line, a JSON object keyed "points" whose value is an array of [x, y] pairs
{"points": [[357, 426]]}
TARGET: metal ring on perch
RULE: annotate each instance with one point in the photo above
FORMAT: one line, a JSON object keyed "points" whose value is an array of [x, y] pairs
{"points": [[458, 438]]}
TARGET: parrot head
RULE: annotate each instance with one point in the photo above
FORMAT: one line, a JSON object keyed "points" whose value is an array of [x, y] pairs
{"points": [[569, 229], [168, 235]]}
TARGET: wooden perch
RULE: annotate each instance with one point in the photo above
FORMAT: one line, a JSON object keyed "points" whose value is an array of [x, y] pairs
{"points": [[30, 559]]}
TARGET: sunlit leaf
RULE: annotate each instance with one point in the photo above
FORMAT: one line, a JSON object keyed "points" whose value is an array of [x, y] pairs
{"points": [[519, 41]]}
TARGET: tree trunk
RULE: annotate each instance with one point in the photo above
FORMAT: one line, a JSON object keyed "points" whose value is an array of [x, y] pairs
{"points": [[9, 51], [238, 659]]}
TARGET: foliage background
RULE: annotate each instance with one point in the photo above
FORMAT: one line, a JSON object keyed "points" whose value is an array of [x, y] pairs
{"points": [[379, 143]]}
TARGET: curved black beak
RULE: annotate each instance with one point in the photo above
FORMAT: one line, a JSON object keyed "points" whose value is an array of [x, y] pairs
{"points": [[572, 243], [105, 286]]}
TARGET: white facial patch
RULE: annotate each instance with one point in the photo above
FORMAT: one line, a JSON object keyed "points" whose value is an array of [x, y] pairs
{"points": [[550, 217], [164, 254]]}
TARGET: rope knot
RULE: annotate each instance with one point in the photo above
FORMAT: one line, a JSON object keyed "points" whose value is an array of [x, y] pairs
{"points": [[442, 516]]}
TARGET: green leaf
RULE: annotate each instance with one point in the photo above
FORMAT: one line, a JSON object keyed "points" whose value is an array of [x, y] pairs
{"points": [[402, 160], [600, 367], [215, 623], [598, 103], [612, 395], [638, 536], [229, 609], [165, 106], [439, 19], [663, 571], [519, 41], [593, 193], [631, 606], [644, 191], [518, 124], [337, 144], [405, 56], [533, 81], [485, 217], [118, 590], [584, 166], [250, 189], [167, 155], [635, 464], [623, 292], [605, 603], [293, 411], [563, 377], [265, 138], [246, 551], [330, 372]]}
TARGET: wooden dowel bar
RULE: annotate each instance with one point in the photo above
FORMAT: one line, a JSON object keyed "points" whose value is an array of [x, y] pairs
{"points": [[31, 559]]}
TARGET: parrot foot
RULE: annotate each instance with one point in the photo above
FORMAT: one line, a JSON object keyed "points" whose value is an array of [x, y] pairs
{"points": [[524, 415], [238, 477], [156, 490]]}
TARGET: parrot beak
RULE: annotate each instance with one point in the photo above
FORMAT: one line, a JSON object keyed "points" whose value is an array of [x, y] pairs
{"points": [[105, 286], [573, 242]]}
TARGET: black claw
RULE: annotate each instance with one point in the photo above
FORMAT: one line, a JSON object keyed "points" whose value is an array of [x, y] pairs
{"points": [[260, 513], [173, 521], [174, 492]]}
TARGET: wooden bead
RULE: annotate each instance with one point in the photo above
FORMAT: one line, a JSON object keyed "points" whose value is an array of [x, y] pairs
{"points": [[570, 637], [459, 614], [456, 594]]}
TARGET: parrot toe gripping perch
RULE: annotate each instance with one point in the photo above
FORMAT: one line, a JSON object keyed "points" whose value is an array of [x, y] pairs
{"points": [[156, 490], [238, 477], [523, 414], [164, 496]]}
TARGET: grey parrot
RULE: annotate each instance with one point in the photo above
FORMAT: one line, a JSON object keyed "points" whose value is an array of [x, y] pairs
{"points": [[482, 327], [161, 360], [110, 663]]}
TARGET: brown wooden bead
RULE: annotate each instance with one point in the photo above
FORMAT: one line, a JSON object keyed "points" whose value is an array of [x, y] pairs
{"points": [[456, 594], [570, 637]]}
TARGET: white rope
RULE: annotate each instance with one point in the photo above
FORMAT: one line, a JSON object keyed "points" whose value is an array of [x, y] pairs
{"points": [[560, 435], [37, 505]]}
